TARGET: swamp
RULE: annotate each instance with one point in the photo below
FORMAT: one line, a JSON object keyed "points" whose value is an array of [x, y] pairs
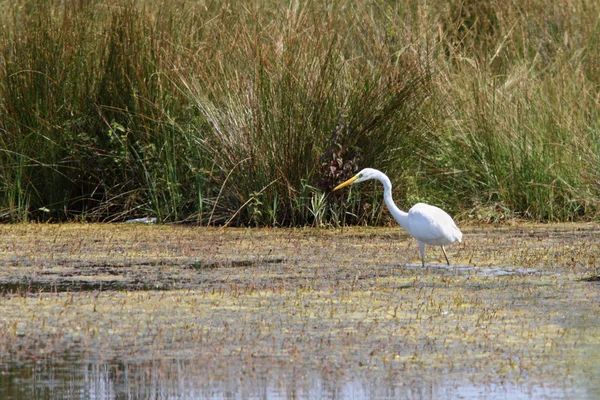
{"points": [[229, 124], [169, 311]]}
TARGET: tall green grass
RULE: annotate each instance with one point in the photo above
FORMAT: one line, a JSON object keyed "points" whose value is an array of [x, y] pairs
{"points": [[524, 118], [301, 98], [248, 113]]}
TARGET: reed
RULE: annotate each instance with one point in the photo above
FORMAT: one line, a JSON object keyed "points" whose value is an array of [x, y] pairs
{"points": [[247, 113]]}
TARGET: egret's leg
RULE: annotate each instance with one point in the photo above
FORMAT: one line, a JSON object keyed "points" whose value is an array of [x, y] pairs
{"points": [[445, 255], [422, 251]]}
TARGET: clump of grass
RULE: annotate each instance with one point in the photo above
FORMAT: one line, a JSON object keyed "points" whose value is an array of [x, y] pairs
{"points": [[287, 87], [523, 122], [134, 113], [87, 114]]}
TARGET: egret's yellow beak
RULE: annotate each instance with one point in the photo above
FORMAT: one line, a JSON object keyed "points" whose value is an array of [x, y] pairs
{"points": [[348, 182]]}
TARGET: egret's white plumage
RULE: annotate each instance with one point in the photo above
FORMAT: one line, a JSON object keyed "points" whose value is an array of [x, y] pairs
{"points": [[428, 224]]}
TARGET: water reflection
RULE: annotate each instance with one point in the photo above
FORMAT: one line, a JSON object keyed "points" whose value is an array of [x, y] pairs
{"points": [[70, 378]]}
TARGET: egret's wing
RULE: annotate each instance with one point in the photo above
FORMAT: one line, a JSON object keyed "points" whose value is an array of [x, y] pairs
{"points": [[432, 225]]}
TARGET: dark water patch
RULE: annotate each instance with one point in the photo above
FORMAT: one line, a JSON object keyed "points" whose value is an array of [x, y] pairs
{"points": [[349, 237], [593, 278], [85, 277], [27, 287], [210, 264]]}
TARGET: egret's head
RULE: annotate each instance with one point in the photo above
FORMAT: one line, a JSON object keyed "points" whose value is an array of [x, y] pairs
{"points": [[364, 175]]}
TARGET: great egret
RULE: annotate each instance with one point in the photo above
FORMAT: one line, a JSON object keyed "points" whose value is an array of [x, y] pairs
{"points": [[428, 224]]}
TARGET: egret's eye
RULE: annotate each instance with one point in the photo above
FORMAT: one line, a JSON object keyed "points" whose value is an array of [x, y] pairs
{"points": [[360, 175]]}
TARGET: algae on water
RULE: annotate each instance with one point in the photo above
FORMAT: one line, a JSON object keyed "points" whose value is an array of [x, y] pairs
{"points": [[188, 310]]}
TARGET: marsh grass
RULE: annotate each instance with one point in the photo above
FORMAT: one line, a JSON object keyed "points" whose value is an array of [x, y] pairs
{"points": [[248, 113], [524, 113]]}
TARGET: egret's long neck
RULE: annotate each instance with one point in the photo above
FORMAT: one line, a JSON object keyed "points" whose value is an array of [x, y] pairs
{"points": [[400, 216]]}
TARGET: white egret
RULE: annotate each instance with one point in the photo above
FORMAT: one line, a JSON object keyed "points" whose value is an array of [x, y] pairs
{"points": [[428, 224]]}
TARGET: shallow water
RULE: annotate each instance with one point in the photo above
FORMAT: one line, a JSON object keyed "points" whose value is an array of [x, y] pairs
{"points": [[110, 311], [180, 379]]}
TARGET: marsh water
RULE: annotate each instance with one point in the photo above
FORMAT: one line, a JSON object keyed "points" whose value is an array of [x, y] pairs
{"points": [[123, 311]]}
